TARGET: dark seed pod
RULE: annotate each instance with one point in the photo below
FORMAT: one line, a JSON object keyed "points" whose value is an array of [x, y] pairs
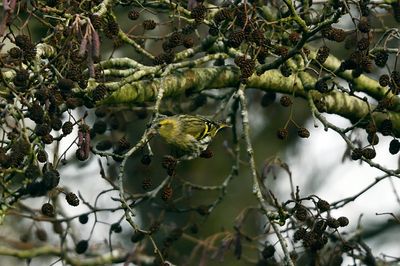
{"points": [[281, 51], [303, 132], [338, 35], [169, 163], [167, 193], [282, 133], [133, 14], [363, 44], [301, 213], [57, 227], [67, 128], [299, 234], [322, 54], [99, 92], [236, 38], [384, 80], [42, 129], [369, 153], [83, 219], [47, 139], [395, 75], [294, 37], [221, 15], [199, 13], [323, 205], [286, 71], [343, 221], [51, 178], [373, 139], [22, 41], [321, 86], [48, 210], [15, 52], [81, 154], [268, 251], [104, 145], [65, 85], [21, 79], [188, 42], [116, 228], [100, 126], [381, 58], [286, 101], [213, 31], [319, 226], [82, 246], [386, 127], [356, 154], [332, 223], [149, 24], [56, 123], [147, 183], [394, 146], [101, 112], [41, 235], [72, 199]]}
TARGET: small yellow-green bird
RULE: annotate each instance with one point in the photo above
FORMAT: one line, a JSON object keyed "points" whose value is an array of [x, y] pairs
{"points": [[189, 134]]}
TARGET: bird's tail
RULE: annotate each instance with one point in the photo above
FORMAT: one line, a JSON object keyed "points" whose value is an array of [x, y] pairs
{"points": [[223, 124]]}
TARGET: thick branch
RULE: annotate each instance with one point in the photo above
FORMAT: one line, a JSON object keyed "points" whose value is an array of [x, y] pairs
{"points": [[198, 79], [115, 256]]}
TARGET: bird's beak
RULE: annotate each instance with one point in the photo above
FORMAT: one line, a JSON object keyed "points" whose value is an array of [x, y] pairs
{"points": [[153, 129]]}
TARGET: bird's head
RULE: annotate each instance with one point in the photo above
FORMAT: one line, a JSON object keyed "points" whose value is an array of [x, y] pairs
{"points": [[165, 126]]}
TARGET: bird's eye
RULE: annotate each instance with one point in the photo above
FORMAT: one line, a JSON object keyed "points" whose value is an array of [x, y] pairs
{"points": [[154, 125]]}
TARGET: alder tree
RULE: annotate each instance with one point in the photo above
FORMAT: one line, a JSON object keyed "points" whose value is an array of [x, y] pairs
{"points": [[82, 82]]}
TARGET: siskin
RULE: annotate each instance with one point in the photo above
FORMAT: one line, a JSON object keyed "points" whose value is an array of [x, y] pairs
{"points": [[190, 135]]}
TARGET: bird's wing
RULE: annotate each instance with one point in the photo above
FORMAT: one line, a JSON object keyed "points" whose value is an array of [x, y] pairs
{"points": [[201, 128]]}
